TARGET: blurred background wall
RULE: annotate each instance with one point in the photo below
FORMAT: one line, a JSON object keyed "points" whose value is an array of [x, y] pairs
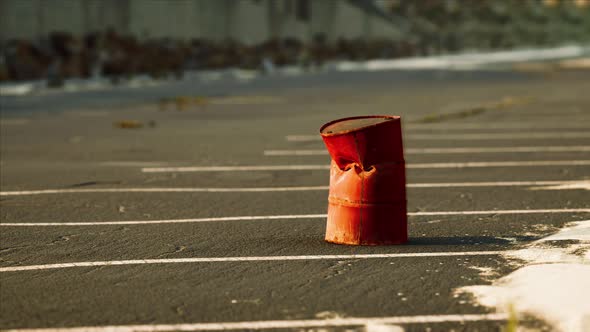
{"points": [[246, 21], [94, 38]]}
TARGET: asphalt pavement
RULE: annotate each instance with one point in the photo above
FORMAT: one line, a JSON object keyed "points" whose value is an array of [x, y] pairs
{"points": [[104, 226]]}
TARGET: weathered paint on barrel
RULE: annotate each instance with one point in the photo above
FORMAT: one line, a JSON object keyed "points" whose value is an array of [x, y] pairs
{"points": [[367, 199]]}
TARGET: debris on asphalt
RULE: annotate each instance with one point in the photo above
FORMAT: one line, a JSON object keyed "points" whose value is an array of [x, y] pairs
{"points": [[504, 103], [328, 315], [163, 104], [181, 103], [75, 139], [201, 101], [247, 100], [128, 124]]}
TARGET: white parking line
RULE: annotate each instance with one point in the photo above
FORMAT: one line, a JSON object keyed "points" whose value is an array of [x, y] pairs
{"points": [[465, 213], [502, 164], [168, 221], [573, 184], [497, 125], [181, 190], [466, 136], [15, 121], [499, 136], [133, 163], [493, 184], [277, 324], [509, 149], [245, 259], [234, 168], [577, 185], [309, 152], [284, 217], [326, 167]]}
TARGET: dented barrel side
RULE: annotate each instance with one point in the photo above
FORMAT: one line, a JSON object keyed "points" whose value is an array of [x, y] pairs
{"points": [[367, 198]]}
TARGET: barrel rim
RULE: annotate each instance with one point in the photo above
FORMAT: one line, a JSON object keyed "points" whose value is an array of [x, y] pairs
{"points": [[344, 132]]}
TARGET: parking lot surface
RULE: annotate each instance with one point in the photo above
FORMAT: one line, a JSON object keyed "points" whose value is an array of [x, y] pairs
{"points": [[212, 213]]}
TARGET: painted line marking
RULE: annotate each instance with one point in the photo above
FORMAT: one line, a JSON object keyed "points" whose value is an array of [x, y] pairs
{"points": [[276, 324], [176, 190], [497, 125], [581, 185], [133, 163], [323, 152], [234, 168], [465, 213], [170, 221], [562, 184], [326, 167], [310, 152], [14, 121], [285, 217], [245, 259], [87, 113], [466, 136], [492, 184]]}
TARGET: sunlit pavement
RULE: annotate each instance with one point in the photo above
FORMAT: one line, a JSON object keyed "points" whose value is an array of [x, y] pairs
{"points": [[119, 211]]}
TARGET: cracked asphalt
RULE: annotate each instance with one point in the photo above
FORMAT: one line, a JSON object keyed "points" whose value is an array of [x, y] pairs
{"points": [[68, 141]]}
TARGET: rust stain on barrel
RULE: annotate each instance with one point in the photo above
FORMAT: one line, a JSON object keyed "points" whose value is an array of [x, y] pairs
{"points": [[367, 199]]}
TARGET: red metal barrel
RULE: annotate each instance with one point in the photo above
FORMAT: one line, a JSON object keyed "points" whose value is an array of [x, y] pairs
{"points": [[367, 199]]}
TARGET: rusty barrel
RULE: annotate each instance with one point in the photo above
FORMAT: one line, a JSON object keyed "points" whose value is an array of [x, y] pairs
{"points": [[367, 199]]}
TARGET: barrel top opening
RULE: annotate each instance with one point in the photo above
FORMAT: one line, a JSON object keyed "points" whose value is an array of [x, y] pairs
{"points": [[355, 123]]}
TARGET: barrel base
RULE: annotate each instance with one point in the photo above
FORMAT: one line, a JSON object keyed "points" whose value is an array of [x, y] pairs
{"points": [[383, 243], [367, 224]]}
